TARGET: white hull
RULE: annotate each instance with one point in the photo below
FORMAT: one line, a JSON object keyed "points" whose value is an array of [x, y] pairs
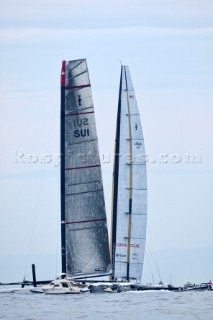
{"points": [[61, 291], [17, 290], [7, 290], [61, 286]]}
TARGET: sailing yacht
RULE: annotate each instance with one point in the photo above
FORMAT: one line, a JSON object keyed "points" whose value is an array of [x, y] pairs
{"points": [[129, 196], [129, 213], [84, 235]]}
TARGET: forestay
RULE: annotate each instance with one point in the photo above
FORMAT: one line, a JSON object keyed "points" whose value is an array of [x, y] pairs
{"points": [[85, 247], [129, 214]]}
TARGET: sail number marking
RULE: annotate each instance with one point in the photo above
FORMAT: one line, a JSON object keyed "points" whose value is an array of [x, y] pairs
{"points": [[81, 132], [138, 144]]}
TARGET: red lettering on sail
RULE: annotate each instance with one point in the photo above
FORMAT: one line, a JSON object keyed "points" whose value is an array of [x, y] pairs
{"points": [[133, 245]]}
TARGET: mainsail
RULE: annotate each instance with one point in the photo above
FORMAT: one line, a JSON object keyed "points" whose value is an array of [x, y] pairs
{"points": [[84, 236], [129, 213]]}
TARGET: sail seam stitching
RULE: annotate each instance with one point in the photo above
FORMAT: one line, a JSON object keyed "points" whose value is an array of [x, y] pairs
{"points": [[82, 221], [76, 114], [98, 165], [78, 87]]}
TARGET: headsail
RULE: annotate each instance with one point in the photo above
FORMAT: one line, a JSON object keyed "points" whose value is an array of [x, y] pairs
{"points": [[129, 187], [84, 236]]}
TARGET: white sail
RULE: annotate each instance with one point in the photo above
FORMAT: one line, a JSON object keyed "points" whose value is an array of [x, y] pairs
{"points": [[85, 248], [129, 214]]}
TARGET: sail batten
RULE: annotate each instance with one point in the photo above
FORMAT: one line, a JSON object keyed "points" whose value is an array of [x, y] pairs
{"points": [[77, 114], [129, 187], [77, 87], [85, 247]]}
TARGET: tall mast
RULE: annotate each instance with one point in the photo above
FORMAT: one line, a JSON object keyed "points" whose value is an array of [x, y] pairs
{"points": [[62, 150], [130, 183], [115, 182]]}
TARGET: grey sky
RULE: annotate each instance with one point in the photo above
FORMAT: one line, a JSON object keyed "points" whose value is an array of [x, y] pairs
{"points": [[168, 47]]}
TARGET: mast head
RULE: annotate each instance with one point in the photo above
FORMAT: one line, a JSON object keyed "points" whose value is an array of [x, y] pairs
{"points": [[63, 73]]}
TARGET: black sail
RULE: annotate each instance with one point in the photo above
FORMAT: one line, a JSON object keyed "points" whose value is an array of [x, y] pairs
{"points": [[84, 235]]}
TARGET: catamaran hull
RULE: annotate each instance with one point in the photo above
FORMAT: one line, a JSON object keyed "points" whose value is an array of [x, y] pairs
{"points": [[112, 287], [37, 290]]}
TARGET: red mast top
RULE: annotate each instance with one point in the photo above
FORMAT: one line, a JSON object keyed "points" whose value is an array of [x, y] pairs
{"points": [[63, 73]]}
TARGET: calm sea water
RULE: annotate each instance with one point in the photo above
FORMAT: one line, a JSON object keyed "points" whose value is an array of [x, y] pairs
{"points": [[114, 306]]}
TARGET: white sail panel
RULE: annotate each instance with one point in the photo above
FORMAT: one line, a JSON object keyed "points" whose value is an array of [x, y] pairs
{"points": [[86, 238], [120, 258], [130, 187]]}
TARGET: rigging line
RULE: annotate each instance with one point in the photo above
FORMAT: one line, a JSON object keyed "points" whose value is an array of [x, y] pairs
{"points": [[150, 268], [34, 220], [156, 263], [154, 251], [40, 189]]}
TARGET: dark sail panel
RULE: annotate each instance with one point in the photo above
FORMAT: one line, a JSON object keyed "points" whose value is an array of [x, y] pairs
{"points": [[85, 248]]}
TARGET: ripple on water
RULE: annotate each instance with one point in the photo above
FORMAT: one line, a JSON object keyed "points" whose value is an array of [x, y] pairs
{"points": [[123, 306]]}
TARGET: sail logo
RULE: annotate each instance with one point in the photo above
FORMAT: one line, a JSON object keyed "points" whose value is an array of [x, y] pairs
{"points": [[125, 245], [120, 255]]}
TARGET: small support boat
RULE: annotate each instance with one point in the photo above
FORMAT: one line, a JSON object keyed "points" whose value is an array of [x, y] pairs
{"points": [[61, 286]]}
